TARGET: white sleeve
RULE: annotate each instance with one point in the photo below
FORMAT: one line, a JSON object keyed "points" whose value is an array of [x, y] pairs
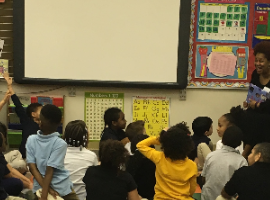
{"points": [[219, 145], [240, 148]]}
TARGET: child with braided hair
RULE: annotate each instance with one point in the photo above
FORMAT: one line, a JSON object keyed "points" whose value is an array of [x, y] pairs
{"points": [[78, 158]]}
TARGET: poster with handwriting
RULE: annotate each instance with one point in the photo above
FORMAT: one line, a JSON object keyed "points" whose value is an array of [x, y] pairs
{"points": [[154, 111], [96, 103]]}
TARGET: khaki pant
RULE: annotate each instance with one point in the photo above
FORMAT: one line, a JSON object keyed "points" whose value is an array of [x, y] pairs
{"points": [[14, 198], [14, 158], [222, 198], [71, 196], [202, 151]]}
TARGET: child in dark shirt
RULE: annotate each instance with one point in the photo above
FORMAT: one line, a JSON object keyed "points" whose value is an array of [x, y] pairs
{"points": [[115, 122], [29, 118]]}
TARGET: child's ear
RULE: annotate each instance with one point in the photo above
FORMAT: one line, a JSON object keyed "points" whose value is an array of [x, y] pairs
{"points": [[114, 123], [257, 157]]}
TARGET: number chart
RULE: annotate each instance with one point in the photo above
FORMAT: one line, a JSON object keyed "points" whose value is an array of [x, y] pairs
{"points": [[222, 22], [154, 111], [96, 104]]}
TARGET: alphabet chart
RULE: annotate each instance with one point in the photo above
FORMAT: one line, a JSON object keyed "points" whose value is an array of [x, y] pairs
{"points": [[154, 111], [96, 104]]}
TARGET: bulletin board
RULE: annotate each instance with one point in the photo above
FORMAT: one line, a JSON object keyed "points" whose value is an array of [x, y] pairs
{"points": [[96, 103], [222, 36], [154, 111]]}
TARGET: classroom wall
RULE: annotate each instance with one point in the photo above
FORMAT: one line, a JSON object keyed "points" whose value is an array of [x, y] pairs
{"points": [[199, 102]]}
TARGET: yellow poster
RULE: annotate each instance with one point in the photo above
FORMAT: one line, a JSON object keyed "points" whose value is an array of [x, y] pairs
{"points": [[154, 111]]}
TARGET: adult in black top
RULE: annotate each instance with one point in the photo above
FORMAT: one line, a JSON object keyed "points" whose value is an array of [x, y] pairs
{"points": [[253, 182], [142, 170], [109, 181]]}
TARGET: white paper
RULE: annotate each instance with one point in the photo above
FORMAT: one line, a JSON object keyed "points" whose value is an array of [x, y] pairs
{"points": [[235, 36], [222, 30], [223, 36], [236, 30], [1, 46], [216, 9], [266, 89], [215, 36], [223, 9], [208, 36], [229, 30], [210, 9], [229, 36], [242, 37], [203, 8], [236, 23], [201, 36]]}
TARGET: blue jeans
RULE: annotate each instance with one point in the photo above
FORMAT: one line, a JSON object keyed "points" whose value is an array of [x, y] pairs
{"points": [[12, 186]]}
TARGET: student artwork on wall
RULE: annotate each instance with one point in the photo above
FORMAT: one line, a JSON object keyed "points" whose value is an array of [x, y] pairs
{"points": [[261, 28], [221, 52], [154, 111], [96, 103], [3, 67], [222, 22], [221, 62]]}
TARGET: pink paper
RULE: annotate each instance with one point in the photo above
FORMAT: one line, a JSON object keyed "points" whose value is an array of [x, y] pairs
{"points": [[222, 63]]}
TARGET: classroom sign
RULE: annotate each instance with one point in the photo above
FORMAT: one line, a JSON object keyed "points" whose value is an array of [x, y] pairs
{"points": [[221, 62], [96, 103], [154, 111], [222, 22]]}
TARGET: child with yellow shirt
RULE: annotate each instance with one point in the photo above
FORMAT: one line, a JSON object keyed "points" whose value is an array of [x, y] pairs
{"points": [[175, 173]]}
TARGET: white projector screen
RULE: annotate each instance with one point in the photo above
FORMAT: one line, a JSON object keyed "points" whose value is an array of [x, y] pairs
{"points": [[101, 40]]}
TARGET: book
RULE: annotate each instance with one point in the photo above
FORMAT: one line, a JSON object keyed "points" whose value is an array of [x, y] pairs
{"points": [[257, 94]]}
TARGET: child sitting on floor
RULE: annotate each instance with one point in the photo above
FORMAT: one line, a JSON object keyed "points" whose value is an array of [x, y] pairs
{"points": [[175, 173], [221, 164], [78, 158], [45, 157]]}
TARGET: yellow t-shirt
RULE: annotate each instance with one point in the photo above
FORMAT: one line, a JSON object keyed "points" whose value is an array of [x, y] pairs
{"points": [[174, 179]]}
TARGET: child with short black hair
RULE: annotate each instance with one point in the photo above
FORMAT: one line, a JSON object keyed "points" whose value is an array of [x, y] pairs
{"points": [[78, 158], [221, 164], [115, 122], [132, 130], [175, 173], [45, 156], [142, 169], [108, 180], [202, 128], [29, 118], [252, 182]]}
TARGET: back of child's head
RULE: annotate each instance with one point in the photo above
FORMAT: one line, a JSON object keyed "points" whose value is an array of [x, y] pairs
{"points": [[111, 115], [183, 126], [136, 139], [200, 125], [76, 134], [33, 107], [134, 129], [264, 150], [232, 136], [113, 154], [229, 118], [176, 142], [50, 117]]}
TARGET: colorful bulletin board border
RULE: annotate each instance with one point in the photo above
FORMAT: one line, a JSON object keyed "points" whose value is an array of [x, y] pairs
{"points": [[96, 103], [222, 22], [261, 23], [218, 83], [221, 62], [154, 111]]}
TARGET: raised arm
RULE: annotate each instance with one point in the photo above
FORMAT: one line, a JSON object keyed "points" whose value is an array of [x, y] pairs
{"points": [[19, 109], [4, 100], [149, 152]]}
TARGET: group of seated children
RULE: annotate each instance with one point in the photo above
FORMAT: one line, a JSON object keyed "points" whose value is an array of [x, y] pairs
{"points": [[130, 166]]}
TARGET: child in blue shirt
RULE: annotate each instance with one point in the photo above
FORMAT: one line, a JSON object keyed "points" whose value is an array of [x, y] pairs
{"points": [[45, 156]]}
